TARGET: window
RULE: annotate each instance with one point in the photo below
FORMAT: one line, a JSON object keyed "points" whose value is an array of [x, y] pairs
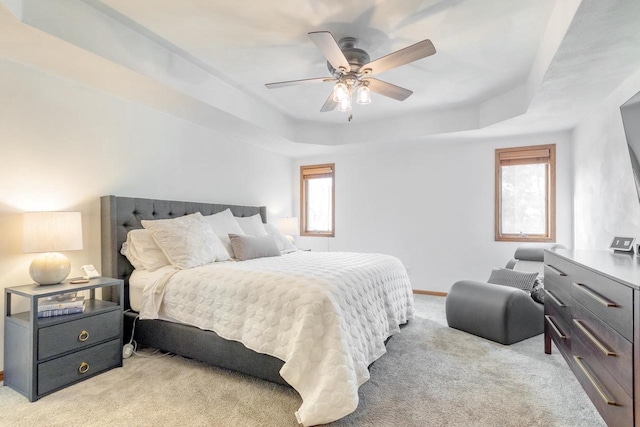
{"points": [[526, 194], [317, 196]]}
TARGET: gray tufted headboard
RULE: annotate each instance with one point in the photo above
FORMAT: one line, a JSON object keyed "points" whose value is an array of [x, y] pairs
{"points": [[121, 214]]}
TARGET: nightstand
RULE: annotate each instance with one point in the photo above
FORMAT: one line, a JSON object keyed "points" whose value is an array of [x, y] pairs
{"points": [[42, 355]]}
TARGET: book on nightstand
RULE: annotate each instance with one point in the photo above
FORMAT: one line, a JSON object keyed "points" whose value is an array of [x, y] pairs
{"points": [[60, 311], [59, 303]]}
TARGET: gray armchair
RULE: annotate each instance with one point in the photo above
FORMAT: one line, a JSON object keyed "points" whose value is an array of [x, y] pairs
{"points": [[499, 313]]}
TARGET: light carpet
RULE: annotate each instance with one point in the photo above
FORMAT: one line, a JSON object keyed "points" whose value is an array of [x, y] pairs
{"points": [[431, 376]]}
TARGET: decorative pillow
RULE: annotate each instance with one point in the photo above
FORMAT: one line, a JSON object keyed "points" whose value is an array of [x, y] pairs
{"points": [[224, 223], [537, 293], [252, 225], [514, 279], [283, 243], [187, 241], [249, 247], [142, 251]]}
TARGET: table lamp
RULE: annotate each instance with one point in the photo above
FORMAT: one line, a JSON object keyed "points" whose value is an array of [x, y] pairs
{"points": [[289, 227], [49, 232]]}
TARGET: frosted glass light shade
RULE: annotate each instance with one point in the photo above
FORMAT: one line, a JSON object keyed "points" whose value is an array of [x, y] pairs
{"points": [[364, 95], [50, 232], [340, 92], [289, 226], [344, 105]]}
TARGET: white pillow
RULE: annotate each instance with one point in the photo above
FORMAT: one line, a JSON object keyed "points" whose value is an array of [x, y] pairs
{"points": [[187, 241], [224, 223], [283, 243], [252, 225], [142, 251]]}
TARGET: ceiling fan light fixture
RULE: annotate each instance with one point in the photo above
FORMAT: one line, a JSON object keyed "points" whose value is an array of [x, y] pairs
{"points": [[345, 105], [340, 92], [364, 95]]}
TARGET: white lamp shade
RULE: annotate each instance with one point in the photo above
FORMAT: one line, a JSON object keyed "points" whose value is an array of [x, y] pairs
{"points": [[51, 231], [289, 226]]}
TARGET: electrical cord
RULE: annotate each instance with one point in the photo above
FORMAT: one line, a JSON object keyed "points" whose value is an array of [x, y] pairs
{"points": [[133, 343]]}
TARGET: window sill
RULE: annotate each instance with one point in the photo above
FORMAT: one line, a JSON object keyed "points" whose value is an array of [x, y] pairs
{"points": [[536, 239]]}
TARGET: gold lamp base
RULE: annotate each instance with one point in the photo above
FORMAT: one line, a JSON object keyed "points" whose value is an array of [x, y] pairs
{"points": [[49, 268]]}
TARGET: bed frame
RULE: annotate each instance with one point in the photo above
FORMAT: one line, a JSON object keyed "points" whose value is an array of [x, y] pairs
{"points": [[119, 215]]}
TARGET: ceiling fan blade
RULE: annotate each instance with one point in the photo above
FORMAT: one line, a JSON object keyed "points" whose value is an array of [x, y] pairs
{"points": [[330, 49], [400, 57], [389, 90], [299, 82], [329, 104]]}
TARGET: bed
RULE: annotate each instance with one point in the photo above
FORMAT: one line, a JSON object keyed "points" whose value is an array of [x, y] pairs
{"points": [[332, 393]]}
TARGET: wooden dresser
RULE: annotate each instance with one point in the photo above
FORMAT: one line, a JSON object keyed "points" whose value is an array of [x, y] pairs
{"points": [[591, 314]]}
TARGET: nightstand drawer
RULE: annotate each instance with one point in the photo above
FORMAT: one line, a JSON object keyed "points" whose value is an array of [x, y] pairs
{"points": [[609, 300], [58, 373], [78, 334]]}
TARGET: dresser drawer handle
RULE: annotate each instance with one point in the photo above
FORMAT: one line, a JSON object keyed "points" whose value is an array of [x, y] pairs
{"points": [[84, 335], [593, 339], [595, 296], [556, 300], [601, 391], [555, 270], [555, 328], [83, 368]]}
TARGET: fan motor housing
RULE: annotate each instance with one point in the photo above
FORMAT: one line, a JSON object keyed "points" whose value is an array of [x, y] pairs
{"points": [[356, 56]]}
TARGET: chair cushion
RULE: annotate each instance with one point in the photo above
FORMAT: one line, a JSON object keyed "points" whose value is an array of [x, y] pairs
{"points": [[512, 278]]}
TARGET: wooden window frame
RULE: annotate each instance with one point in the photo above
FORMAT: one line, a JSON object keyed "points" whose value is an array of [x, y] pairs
{"points": [[531, 154], [321, 172]]}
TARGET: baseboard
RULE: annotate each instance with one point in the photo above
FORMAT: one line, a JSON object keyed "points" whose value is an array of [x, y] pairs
{"points": [[433, 293]]}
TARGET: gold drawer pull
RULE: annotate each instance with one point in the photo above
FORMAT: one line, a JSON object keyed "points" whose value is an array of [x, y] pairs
{"points": [[601, 391], [556, 300], [83, 368], [555, 328], [84, 335], [555, 270], [593, 339], [595, 296]]}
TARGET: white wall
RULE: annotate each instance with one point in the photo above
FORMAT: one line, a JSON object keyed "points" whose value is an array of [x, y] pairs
{"points": [[432, 207], [64, 145], [606, 202]]}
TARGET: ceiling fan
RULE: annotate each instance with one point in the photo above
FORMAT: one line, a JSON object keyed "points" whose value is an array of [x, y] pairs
{"points": [[352, 70]]}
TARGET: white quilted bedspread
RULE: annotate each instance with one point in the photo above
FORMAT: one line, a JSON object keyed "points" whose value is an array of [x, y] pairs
{"points": [[325, 314]]}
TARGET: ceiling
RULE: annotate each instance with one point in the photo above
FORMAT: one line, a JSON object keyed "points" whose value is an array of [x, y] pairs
{"points": [[481, 51], [501, 67]]}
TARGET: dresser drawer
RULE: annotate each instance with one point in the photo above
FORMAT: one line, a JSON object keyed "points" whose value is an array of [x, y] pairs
{"points": [[608, 347], [559, 303], [557, 271], [77, 334], [77, 366], [609, 300], [559, 330], [613, 403]]}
